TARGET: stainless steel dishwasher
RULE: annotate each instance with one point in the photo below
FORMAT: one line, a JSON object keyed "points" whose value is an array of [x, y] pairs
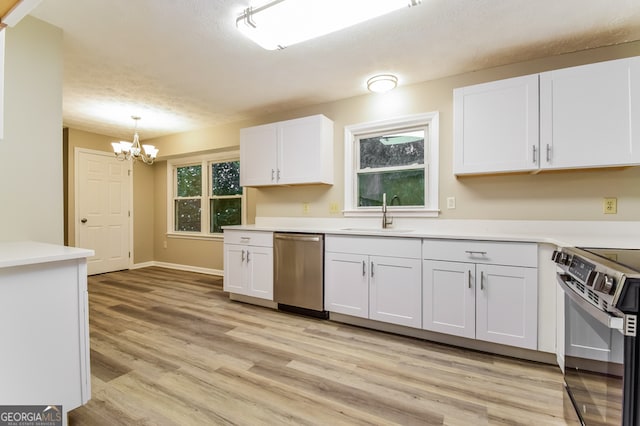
{"points": [[298, 282]]}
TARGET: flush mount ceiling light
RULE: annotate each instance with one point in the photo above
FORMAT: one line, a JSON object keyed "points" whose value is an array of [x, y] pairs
{"points": [[382, 83], [281, 23], [125, 150]]}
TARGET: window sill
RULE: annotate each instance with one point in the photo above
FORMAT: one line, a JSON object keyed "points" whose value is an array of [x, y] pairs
{"points": [[392, 212], [194, 236]]}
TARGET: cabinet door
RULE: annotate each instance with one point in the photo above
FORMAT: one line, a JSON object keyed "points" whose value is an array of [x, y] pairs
{"points": [[586, 115], [496, 126], [258, 155], [305, 148], [395, 290], [449, 298], [507, 305], [347, 284], [259, 262], [235, 271]]}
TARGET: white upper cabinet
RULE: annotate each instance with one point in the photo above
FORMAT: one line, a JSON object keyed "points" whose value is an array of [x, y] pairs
{"points": [[496, 126], [291, 152], [258, 155], [590, 115], [580, 117]]}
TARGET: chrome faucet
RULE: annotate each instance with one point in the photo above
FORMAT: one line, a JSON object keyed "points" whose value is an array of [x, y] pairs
{"points": [[386, 221]]}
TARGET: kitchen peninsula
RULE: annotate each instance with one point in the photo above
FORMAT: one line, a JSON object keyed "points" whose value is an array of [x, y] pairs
{"points": [[44, 325]]}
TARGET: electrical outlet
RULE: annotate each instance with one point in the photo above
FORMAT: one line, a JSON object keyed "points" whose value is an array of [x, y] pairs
{"points": [[451, 202], [334, 208], [610, 206], [305, 208]]}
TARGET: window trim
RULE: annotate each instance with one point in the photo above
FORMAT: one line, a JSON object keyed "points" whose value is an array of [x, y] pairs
{"points": [[204, 161], [429, 120]]}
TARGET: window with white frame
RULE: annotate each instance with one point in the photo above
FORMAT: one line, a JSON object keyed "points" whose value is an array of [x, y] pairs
{"points": [[205, 195], [396, 157]]}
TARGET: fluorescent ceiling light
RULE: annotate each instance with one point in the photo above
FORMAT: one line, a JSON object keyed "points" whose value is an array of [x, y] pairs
{"points": [[281, 23]]}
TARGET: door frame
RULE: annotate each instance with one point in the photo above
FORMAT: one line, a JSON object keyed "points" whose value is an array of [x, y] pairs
{"points": [[76, 210]]}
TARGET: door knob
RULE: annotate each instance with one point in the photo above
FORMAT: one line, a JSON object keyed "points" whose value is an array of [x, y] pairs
{"points": [[83, 220]]}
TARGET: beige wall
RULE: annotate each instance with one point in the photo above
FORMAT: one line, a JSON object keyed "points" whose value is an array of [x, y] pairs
{"points": [[575, 195], [31, 176], [572, 195]]}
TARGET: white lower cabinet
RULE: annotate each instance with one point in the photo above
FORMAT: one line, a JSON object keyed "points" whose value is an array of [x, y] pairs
{"points": [[496, 303], [507, 305], [248, 263], [449, 298], [346, 284], [394, 290], [374, 278]]}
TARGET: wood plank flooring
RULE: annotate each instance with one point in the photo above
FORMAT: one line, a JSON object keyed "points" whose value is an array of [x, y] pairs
{"points": [[169, 348]]}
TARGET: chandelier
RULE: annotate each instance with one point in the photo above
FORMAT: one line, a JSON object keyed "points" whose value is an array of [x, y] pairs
{"points": [[132, 151]]}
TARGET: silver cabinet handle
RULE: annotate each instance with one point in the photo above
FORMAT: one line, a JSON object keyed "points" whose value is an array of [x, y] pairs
{"points": [[248, 256], [472, 253], [482, 280], [272, 175], [364, 267], [469, 277], [535, 156], [278, 175], [245, 239], [548, 153], [242, 255], [372, 273]]}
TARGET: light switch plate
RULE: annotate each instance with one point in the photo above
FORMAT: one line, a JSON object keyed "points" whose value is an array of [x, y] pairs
{"points": [[451, 202]]}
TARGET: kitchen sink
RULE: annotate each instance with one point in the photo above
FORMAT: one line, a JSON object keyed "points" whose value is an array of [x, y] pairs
{"points": [[389, 230]]}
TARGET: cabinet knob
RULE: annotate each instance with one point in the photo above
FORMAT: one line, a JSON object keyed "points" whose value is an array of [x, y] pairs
{"points": [[83, 220]]}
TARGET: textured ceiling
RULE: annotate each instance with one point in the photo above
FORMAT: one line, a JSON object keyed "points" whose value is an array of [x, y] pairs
{"points": [[182, 65]]}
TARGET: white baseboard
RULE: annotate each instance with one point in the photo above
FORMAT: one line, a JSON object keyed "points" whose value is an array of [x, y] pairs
{"points": [[142, 265], [179, 267]]}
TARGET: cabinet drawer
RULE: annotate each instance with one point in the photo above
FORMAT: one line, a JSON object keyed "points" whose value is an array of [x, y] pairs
{"points": [[374, 246], [249, 238], [494, 252]]}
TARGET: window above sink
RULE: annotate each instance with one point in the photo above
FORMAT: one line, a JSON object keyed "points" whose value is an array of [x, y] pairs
{"points": [[398, 157]]}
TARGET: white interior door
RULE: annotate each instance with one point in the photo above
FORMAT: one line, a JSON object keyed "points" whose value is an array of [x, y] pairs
{"points": [[102, 210]]}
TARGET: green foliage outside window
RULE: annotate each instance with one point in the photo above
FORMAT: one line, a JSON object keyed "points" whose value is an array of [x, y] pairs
{"points": [[392, 164], [189, 181], [225, 208], [226, 178]]}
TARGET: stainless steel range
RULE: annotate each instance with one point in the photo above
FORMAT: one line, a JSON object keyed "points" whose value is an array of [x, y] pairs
{"points": [[602, 351]]}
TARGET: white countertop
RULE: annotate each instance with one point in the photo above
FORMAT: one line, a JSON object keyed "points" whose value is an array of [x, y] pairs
{"points": [[603, 234], [19, 253]]}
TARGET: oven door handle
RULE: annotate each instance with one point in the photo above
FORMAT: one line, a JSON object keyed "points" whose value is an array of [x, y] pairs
{"points": [[603, 317]]}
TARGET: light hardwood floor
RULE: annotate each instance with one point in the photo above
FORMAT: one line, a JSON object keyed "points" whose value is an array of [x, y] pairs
{"points": [[168, 347]]}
